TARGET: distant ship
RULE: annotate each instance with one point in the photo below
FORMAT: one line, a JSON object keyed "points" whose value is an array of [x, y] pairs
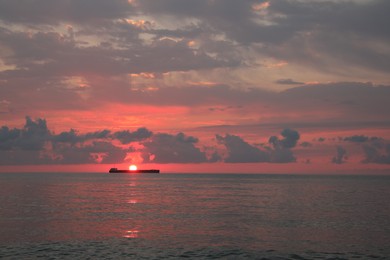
{"points": [[115, 170]]}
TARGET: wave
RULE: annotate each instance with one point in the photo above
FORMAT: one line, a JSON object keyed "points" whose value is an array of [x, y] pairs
{"points": [[141, 249]]}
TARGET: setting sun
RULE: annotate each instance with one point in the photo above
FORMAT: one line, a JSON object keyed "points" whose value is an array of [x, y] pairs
{"points": [[133, 167]]}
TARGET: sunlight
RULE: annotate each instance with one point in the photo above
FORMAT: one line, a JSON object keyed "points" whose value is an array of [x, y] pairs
{"points": [[133, 167]]}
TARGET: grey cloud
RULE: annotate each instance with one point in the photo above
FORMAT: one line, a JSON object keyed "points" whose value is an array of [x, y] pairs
{"points": [[343, 32], [240, 151], [127, 137], [360, 138], [281, 152], [72, 137], [97, 152], [341, 156], [290, 138], [8, 137], [55, 11], [282, 155], [290, 30], [35, 144], [283, 18], [167, 148], [67, 137], [51, 54], [346, 31], [202, 9], [288, 82], [32, 136], [377, 154], [306, 144], [98, 134]]}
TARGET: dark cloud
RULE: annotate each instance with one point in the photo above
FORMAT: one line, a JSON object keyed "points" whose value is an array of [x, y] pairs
{"points": [[73, 137], [98, 134], [295, 31], [240, 151], [55, 11], [306, 144], [288, 82], [32, 136], [8, 137], [35, 144], [379, 154], [340, 31], [282, 155], [281, 152], [341, 156], [127, 137], [50, 55], [56, 41], [167, 148], [290, 138], [360, 139], [97, 152]]}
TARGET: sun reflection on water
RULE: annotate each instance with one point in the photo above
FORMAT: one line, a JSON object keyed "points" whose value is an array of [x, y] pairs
{"points": [[131, 234]]}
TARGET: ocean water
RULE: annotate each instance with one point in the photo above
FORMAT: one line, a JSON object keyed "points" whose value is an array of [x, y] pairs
{"points": [[193, 216]]}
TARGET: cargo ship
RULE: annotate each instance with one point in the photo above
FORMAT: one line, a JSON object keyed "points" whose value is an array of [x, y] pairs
{"points": [[116, 170]]}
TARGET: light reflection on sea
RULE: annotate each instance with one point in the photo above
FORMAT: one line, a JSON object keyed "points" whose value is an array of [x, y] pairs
{"points": [[251, 213]]}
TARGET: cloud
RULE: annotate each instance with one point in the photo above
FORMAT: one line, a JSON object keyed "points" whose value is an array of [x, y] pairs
{"points": [[379, 153], [8, 137], [96, 152], [36, 144], [345, 37], [32, 136], [240, 151], [55, 11], [282, 152], [127, 137], [290, 138], [229, 33], [341, 156], [288, 82], [306, 144], [80, 54], [167, 148], [360, 139]]}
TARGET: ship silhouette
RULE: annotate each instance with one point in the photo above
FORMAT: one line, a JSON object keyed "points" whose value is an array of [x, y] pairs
{"points": [[116, 170]]}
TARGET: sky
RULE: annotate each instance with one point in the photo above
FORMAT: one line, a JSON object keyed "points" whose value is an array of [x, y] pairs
{"points": [[276, 86]]}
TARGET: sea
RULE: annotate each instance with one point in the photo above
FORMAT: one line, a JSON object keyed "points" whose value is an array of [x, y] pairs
{"points": [[193, 216]]}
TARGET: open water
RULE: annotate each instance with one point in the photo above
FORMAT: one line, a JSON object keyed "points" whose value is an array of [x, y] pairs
{"points": [[193, 216]]}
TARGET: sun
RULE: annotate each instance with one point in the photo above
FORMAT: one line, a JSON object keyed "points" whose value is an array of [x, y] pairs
{"points": [[133, 167]]}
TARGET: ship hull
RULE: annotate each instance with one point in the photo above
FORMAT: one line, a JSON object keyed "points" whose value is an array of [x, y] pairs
{"points": [[134, 171]]}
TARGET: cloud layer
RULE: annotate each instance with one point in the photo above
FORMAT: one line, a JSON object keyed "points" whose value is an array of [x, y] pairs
{"points": [[221, 67], [34, 143]]}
